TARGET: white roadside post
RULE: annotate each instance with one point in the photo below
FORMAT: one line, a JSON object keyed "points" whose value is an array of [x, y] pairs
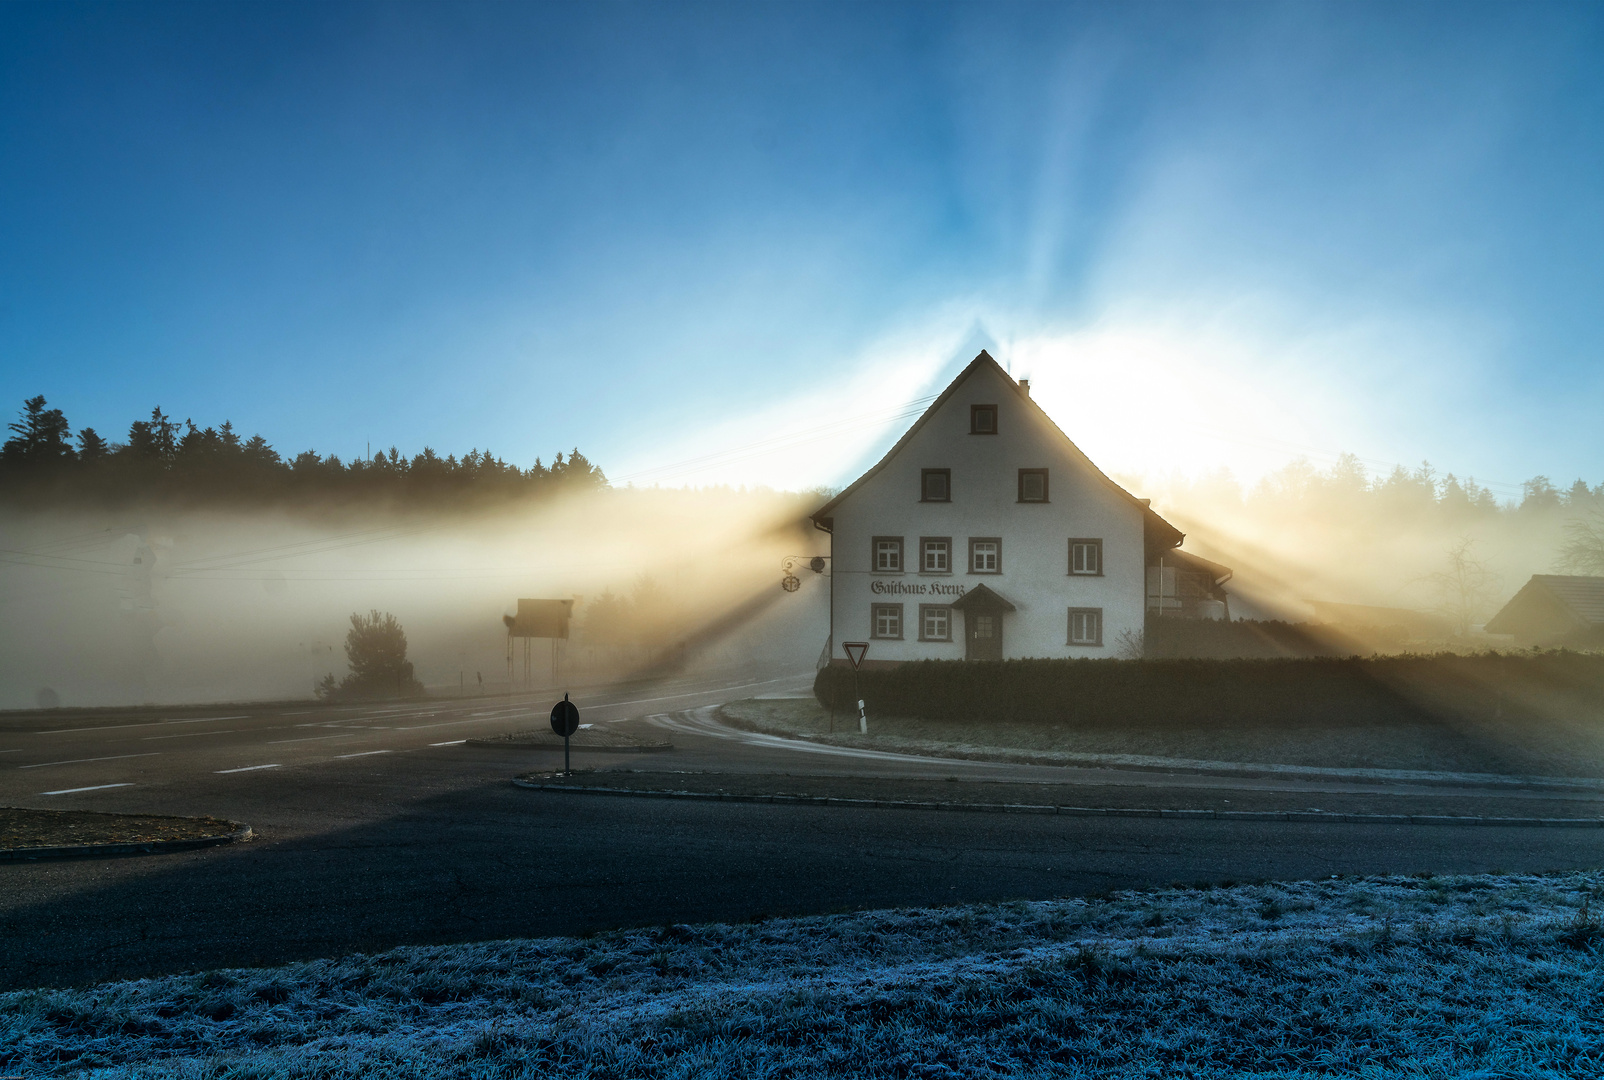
{"points": [[855, 651]]}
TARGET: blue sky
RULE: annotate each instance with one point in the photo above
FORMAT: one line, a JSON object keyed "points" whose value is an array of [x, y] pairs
{"points": [[744, 236]]}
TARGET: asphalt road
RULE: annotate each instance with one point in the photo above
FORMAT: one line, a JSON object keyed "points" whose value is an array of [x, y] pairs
{"points": [[378, 827]]}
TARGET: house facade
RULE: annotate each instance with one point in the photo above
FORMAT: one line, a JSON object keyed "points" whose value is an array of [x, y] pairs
{"points": [[985, 534]]}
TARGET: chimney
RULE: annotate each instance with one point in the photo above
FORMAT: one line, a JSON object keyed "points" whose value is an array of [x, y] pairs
{"points": [[1024, 384]]}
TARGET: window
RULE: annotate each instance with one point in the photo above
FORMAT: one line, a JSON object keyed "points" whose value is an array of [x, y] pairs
{"points": [[1085, 626], [985, 555], [935, 622], [1032, 485], [935, 555], [982, 419], [887, 555], [887, 622], [1086, 556], [935, 485]]}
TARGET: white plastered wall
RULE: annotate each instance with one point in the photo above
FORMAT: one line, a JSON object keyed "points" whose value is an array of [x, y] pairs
{"points": [[1035, 537]]}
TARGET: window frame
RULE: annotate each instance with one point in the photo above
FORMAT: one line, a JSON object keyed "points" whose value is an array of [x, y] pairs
{"points": [[924, 485], [923, 610], [874, 554], [974, 419], [973, 540], [1094, 611], [874, 622], [923, 567], [1096, 542], [1044, 490]]}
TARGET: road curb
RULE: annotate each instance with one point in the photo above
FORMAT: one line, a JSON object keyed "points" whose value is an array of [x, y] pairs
{"points": [[153, 847], [1290, 816], [503, 744]]}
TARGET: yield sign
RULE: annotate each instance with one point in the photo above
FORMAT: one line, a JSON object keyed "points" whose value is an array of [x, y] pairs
{"points": [[855, 651]]}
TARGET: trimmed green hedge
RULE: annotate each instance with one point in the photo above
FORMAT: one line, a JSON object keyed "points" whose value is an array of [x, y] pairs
{"points": [[1374, 690]]}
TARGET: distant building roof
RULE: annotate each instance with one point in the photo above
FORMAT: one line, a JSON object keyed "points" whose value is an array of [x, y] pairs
{"points": [[1550, 606]]}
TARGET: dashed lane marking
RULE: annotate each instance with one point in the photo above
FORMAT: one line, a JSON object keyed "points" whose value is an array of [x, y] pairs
{"points": [[364, 753], [191, 734], [248, 768], [453, 742], [153, 723], [77, 760], [75, 790], [315, 738]]}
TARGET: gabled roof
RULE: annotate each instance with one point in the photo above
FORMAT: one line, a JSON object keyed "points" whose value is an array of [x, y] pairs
{"points": [[1580, 597], [1168, 534]]}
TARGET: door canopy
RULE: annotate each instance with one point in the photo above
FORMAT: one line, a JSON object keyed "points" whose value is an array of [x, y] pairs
{"points": [[981, 600]]}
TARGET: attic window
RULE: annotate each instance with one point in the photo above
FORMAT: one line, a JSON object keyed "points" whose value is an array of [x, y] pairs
{"points": [[935, 485], [1032, 485], [982, 419]]}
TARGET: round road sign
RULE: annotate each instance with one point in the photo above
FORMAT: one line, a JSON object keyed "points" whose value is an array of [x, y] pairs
{"points": [[565, 717]]}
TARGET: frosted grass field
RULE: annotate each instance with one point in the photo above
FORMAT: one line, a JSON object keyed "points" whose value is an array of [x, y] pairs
{"points": [[1379, 977]]}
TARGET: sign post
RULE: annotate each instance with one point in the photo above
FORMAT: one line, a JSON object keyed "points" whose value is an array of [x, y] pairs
{"points": [[855, 651], [565, 721]]}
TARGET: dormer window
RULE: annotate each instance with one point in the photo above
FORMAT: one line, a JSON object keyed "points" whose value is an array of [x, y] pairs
{"points": [[935, 485], [982, 419]]}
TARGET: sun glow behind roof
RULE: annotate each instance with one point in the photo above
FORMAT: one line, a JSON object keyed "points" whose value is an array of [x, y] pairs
{"points": [[1141, 394]]}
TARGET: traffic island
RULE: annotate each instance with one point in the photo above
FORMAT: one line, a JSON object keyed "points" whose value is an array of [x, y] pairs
{"points": [[586, 739], [1080, 800], [56, 834]]}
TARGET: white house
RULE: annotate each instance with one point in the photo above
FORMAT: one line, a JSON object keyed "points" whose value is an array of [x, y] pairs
{"points": [[986, 534]]}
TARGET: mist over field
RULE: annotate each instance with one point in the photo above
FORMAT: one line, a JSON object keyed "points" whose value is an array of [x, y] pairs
{"points": [[1415, 539], [173, 603]]}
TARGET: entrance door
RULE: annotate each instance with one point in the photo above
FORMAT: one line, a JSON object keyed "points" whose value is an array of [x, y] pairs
{"points": [[983, 636]]}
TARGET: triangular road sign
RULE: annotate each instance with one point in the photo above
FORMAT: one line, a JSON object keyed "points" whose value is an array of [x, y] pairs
{"points": [[855, 651]]}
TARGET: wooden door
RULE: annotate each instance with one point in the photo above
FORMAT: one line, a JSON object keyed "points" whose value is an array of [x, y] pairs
{"points": [[983, 636]]}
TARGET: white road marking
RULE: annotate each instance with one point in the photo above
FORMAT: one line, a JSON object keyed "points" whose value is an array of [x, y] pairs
{"points": [[248, 768], [364, 753], [153, 723], [315, 738], [77, 760], [74, 790], [692, 724], [443, 723], [453, 742], [191, 734]]}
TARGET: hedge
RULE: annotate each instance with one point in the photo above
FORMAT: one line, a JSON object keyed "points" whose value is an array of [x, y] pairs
{"points": [[1344, 691]]}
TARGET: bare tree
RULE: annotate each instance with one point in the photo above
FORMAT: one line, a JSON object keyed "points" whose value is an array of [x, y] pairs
{"points": [[1465, 586], [1583, 549]]}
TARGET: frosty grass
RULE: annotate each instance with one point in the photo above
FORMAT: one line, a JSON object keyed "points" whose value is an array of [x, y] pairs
{"points": [[1379, 977]]}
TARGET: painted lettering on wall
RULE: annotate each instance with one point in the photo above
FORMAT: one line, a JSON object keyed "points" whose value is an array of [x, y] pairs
{"points": [[914, 588]]}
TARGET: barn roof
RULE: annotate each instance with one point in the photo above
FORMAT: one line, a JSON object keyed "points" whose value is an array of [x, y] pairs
{"points": [[1581, 597]]}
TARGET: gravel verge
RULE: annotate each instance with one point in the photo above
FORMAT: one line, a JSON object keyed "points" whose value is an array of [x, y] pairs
{"points": [[45, 834]]}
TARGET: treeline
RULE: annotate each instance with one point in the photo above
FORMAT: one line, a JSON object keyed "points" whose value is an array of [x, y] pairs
{"points": [[1347, 492], [162, 458]]}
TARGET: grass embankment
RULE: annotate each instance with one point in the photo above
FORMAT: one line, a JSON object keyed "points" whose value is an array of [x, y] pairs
{"points": [[1516, 715], [1386, 977]]}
